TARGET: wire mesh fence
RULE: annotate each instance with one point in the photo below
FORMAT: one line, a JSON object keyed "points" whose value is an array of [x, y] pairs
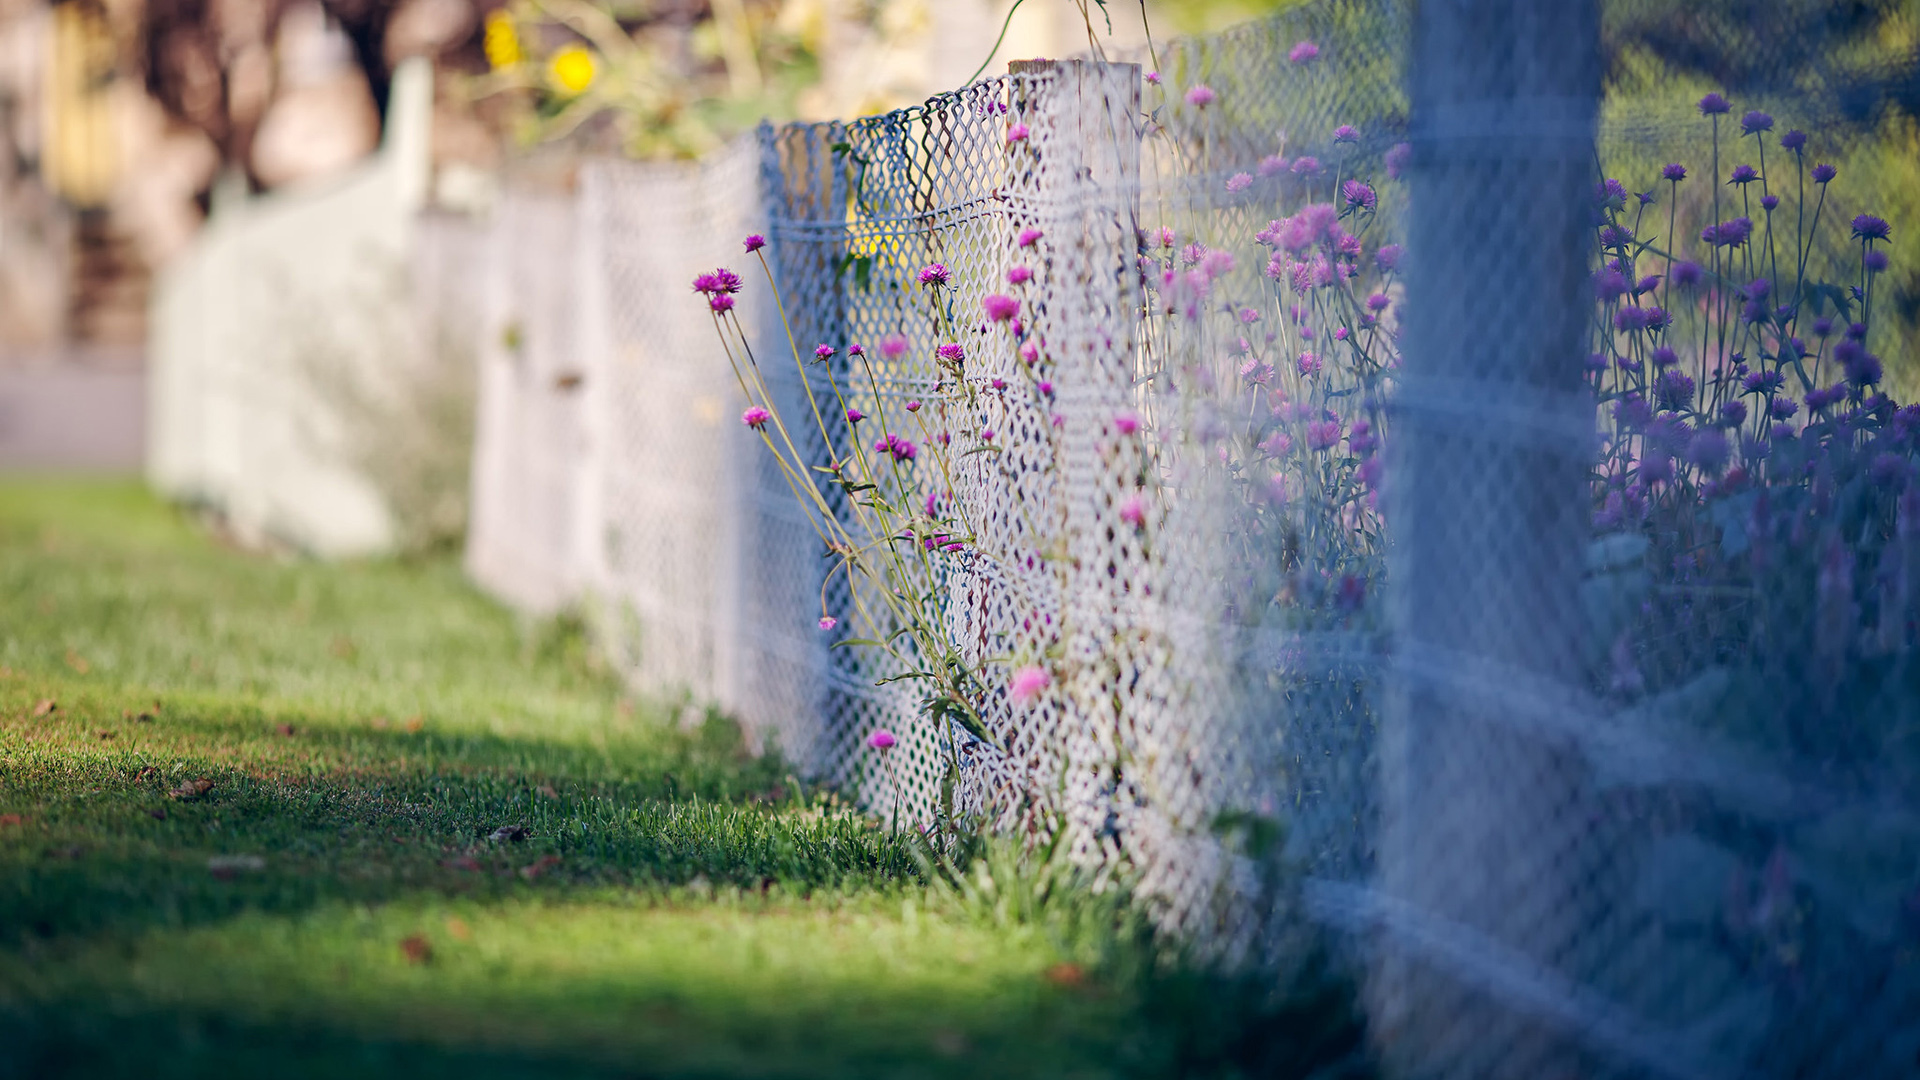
{"points": [[1332, 493]]}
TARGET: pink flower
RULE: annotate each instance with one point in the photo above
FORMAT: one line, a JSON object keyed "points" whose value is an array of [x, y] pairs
{"points": [[1166, 237], [755, 243], [1239, 181], [1000, 308], [1030, 352], [854, 415], [1272, 165], [1323, 434], [893, 346], [1019, 275], [1303, 52], [1027, 684], [756, 417], [935, 274], [951, 352], [1030, 237], [1153, 77], [1016, 133], [1134, 511], [1201, 96], [882, 740], [721, 304], [828, 622], [1126, 423], [913, 406]]}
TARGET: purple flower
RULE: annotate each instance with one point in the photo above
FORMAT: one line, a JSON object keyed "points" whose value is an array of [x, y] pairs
{"points": [[855, 350], [1272, 165], [720, 281], [1743, 174], [1396, 159], [1045, 387], [1782, 408], [1359, 196], [1756, 122], [1875, 261], [1632, 412], [822, 352], [1733, 413], [893, 347], [1709, 451], [935, 274], [1030, 236], [755, 243], [1857, 331], [1820, 399], [882, 740], [1646, 284], [854, 415], [1658, 318], [1239, 182], [1823, 173], [952, 353], [1153, 77], [1609, 285], [1378, 302], [1126, 423], [913, 406], [1714, 105], [1017, 133], [828, 622], [721, 304], [1728, 233], [1303, 51], [1762, 382], [1674, 390], [1616, 236], [1019, 275], [1866, 371], [1309, 364], [1687, 274], [1388, 258], [901, 449], [1323, 434], [1665, 357], [1201, 96], [1345, 134], [1308, 167], [1769, 203], [1675, 172], [1610, 190], [999, 383], [1630, 319], [1823, 326], [1868, 227], [1793, 140], [756, 417], [1000, 308]]}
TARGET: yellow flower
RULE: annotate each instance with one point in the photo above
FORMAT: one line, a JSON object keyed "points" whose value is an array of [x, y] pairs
{"points": [[573, 69], [502, 42]]}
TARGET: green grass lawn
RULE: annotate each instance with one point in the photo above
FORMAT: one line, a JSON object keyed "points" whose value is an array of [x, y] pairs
{"points": [[334, 900]]}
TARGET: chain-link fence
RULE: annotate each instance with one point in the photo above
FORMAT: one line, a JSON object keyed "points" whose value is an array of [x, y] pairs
{"points": [[1533, 607]]}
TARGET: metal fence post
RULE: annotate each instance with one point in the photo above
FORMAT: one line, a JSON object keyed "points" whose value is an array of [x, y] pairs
{"points": [[1479, 844]]}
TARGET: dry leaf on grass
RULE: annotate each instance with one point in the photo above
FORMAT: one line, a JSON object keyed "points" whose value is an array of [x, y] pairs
{"points": [[284, 729], [11, 819], [145, 772], [416, 948], [458, 927], [547, 790], [145, 718], [105, 734], [192, 789], [78, 663], [414, 724], [1067, 975], [539, 866], [45, 707], [463, 862], [507, 833]]}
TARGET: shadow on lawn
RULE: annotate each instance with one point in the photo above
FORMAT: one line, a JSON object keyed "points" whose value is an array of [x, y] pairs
{"points": [[111, 837]]}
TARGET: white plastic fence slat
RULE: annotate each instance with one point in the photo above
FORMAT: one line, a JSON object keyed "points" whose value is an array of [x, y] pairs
{"points": [[276, 292]]}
